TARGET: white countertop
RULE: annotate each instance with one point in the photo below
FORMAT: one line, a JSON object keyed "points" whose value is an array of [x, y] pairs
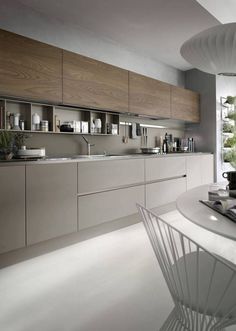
{"points": [[85, 158]]}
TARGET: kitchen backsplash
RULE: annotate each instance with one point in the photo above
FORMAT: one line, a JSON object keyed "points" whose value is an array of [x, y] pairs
{"points": [[63, 144]]}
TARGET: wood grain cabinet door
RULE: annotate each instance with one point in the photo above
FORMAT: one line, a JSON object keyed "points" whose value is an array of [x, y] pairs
{"points": [[185, 104], [148, 96], [94, 84], [29, 69]]}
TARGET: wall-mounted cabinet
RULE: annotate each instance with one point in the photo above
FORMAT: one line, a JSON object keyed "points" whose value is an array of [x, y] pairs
{"points": [[29, 69], [185, 105], [59, 119], [36, 71], [94, 84], [148, 96]]}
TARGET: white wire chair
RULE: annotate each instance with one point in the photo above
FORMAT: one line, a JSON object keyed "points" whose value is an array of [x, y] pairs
{"points": [[202, 285]]}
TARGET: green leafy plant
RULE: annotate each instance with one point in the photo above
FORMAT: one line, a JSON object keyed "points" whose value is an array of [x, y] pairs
{"points": [[228, 128], [6, 144], [6, 141], [232, 115], [230, 157], [20, 138], [230, 100], [230, 142]]}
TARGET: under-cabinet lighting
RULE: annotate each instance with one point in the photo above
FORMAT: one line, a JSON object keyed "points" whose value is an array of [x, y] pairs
{"points": [[145, 125], [153, 126]]}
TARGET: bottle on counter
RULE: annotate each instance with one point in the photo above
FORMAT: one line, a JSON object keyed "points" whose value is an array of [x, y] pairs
{"points": [[191, 146], [165, 147]]}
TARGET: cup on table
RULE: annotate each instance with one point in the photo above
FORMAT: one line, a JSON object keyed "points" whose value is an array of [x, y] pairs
{"points": [[217, 191]]}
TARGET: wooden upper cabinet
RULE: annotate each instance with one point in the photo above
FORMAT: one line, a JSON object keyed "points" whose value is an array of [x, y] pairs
{"points": [[185, 104], [29, 69], [148, 96], [91, 83]]}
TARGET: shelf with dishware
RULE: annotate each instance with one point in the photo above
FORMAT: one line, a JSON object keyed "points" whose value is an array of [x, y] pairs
{"points": [[22, 115]]}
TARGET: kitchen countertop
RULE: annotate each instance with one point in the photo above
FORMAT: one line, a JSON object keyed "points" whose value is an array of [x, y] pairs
{"points": [[85, 158]]}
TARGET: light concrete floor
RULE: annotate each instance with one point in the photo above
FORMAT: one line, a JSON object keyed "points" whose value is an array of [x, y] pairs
{"points": [[108, 283]]}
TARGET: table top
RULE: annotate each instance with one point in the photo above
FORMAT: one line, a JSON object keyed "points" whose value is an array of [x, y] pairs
{"points": [[189, 206]]}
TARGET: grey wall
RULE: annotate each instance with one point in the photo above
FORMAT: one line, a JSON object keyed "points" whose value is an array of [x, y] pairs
{"points": [[205, 132]]}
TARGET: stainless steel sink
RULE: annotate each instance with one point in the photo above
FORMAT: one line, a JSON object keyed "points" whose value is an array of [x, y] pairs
{"points": [[56, 159], [96, 156]]}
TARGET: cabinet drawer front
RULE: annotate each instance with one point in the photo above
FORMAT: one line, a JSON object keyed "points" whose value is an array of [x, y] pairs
{"points": [[158, 194], [94, 176], [12, 208], [102, 207], [207, 167], [165, 167], [200, 170], [194, 177], [51, 201]]}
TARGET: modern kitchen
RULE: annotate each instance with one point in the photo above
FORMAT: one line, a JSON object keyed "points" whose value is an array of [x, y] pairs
{"points": [[117, 165]]}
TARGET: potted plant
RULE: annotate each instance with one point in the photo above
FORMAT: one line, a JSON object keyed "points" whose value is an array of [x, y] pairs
{"points": [[19, 139], [230, 100], [6, 144]]}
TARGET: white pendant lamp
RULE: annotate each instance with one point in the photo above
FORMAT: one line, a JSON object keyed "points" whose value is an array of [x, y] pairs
{"points": [[213, 50]]}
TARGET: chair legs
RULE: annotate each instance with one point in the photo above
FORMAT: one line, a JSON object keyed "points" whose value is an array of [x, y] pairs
{"points": [[175, 322]]}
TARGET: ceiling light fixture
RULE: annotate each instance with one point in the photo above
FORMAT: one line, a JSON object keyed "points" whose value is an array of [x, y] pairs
{"points": [[213, 50]]}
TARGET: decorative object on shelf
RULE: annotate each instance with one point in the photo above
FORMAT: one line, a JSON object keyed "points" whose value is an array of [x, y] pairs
{"points": [[35, 122], [98, 125], [6, 144], [213, 50], [27, 116]]}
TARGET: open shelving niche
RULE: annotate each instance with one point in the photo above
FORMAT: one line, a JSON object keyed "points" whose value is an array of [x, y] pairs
{"points": [[54, 113], [228, 128]]}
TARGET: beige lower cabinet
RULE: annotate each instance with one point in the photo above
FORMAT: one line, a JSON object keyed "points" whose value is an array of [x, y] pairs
{"points": [[12, 208], [94, 176], [51, 201], [94, 209], [165, 167], [163, 192], [207, 168], [200, 170]]}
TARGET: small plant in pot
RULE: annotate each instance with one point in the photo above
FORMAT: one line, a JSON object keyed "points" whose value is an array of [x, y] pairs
{"points": [[6, 144], [20, 139]]}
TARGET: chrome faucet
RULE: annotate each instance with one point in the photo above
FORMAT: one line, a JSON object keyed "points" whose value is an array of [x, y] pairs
{"points": [[88, 145]]}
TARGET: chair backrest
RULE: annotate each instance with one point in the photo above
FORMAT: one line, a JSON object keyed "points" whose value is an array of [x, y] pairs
{"points": [[197, 279]]}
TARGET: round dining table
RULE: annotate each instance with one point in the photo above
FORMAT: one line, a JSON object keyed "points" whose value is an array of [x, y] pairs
{"points": [[189, 205]]}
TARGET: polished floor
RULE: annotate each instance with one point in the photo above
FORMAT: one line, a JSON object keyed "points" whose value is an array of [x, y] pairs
{"points": [[108, 283]]}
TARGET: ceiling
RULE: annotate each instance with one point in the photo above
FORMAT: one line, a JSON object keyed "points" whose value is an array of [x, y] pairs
{"points": [[153, 28]]}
